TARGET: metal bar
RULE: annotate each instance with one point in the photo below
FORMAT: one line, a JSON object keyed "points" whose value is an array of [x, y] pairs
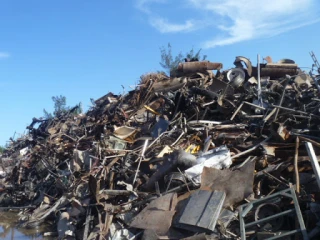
{"points": [[254, 105], [242, 224], [286, 195], [259, 79], [268, 197], [289, 192], [310, 140], [22, 207], [176, 189], [250, 149], [140, 159], [175, 142], [247, 210], [280, 103], [277, 179], [285, 234], [236, 112], [254, 116], [244, 162], [299, 215], [297, 111], [87, 224], [250, 104], [296, 170], [314, 161], [270, 218], [270, 114]]}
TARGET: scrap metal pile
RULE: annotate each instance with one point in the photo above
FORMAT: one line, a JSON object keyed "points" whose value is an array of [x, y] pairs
{"points": [[202, 154]]}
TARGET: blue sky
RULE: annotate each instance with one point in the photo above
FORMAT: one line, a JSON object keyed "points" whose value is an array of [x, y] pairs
{"points": [[84, 49]]}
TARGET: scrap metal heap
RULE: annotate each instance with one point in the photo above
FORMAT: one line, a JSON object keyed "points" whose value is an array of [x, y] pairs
{"points": [[202, 154]]}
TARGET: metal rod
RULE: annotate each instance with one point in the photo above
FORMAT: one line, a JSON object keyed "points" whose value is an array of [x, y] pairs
{"points": [[310, 140], [140, 159], [285, 234], [236, 112], [273, 177], [241, 105], [280, 103], [175, 142], [250, 149], [22, 207], [299, 215], [259, 80], [254, 105], [296, 170], [297, 111], [314, 161], [270, 218]]}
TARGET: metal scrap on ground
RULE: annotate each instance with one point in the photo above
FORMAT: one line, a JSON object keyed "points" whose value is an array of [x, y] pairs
{"points": [[204, 154]]}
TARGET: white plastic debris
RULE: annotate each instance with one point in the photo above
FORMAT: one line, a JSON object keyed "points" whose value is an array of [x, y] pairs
{"points": [[217, 158], [24, 151]]}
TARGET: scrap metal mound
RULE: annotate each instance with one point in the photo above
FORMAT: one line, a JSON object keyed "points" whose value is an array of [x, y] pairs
{"points": [[198, 155]]}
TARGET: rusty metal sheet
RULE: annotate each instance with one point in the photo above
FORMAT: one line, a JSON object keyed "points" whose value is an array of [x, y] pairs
{"points": [[237, 184]]}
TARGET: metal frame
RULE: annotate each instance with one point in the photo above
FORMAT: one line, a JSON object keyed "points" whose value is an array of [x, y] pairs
{"points": [[289, 193]]}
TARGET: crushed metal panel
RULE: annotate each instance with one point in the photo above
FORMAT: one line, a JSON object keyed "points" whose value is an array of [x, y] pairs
{"points": [[202, 211]]}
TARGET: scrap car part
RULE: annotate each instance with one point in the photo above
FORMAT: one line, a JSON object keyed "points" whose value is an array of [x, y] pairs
{"points": [[246, 61], [236, 77]]}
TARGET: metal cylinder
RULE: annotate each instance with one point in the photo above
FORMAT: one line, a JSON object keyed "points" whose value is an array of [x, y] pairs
{"points": [[192, 67]]}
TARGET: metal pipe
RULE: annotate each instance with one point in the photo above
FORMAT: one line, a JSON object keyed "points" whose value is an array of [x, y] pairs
{"points": [[296, 111], [280, 103], [254, 105], [250, 149], [140, 159], [296, 170], [314, 161], [259, 80]]}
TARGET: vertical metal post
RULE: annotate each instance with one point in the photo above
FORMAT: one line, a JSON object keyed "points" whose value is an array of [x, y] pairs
{"points": [[259, 80], [314, 161], [299, 215], [296, 169], [242, 224]]}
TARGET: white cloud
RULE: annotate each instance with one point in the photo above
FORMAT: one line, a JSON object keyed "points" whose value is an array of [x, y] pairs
{"points": [[234, 21], [4, 55], [143, 5], [164, 26]]}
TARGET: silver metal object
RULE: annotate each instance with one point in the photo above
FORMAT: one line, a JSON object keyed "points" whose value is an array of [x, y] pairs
{"points": [[236, 77], [202, 210], [314, 161], [140, 159], [259, 80]]}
